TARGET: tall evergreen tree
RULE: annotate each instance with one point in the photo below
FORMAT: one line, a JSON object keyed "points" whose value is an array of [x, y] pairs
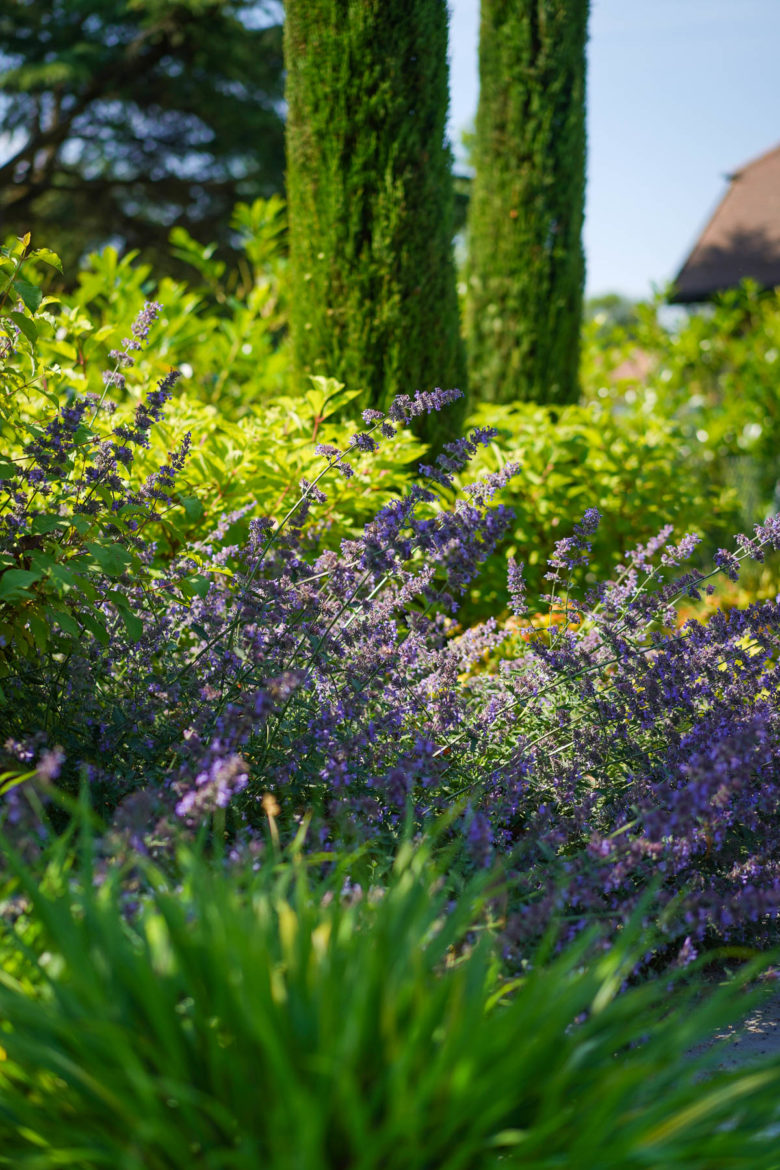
{"points": [[370, 195], [121, 118], [526, 263]]}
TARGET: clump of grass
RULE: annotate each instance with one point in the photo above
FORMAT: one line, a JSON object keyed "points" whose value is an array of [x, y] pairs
{"points": [[236, 1017]]}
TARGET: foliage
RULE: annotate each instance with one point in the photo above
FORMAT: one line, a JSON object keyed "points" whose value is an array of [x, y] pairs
{"points": [[610, 310], [606, 745], [84, 490], [224, 332], [229, 319], [634, 468], [265, 1016], [714, 374], [372, 298], [123, 118], [526, 266], [71, 515]]}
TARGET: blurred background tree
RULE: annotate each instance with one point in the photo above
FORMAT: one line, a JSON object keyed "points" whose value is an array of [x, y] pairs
{"points": [[526, 264], [123, 118], [610, 311]]}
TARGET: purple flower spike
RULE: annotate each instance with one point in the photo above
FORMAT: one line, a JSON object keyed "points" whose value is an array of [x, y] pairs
{"points": [[680, 552], [403, 408], [728, 563], [516, 586], [143, 322]]}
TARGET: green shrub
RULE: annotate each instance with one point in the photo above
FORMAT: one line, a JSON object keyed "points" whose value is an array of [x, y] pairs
{"points": [[225, 328], [67, 517], [633, 469], [242, 1019], [714, 375], [252, 440]]}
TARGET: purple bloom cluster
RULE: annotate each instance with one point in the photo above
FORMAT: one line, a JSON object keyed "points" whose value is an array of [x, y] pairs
{"points": [[516, 587], [455, 456], [403, 408], [50, 451], [148, 412], [597, 755], [123, 357], [646, 756]]}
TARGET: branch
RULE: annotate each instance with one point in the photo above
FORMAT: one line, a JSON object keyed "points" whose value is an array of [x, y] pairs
{"points": [[134, 61]]}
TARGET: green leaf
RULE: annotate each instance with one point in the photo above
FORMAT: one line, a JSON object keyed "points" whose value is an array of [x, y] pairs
{"points": [[14, 584], [42, 561], [133, 624], [112, 559], [39, 630], [193, 507], [64, 620], [66, 577], [30, 295], [26, 325], [48, 257], [196, 586], [96, 627], [47, 523], [7, 470]]}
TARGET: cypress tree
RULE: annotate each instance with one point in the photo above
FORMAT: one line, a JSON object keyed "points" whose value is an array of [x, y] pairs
{"points": [[370, 196], [526, 263]]}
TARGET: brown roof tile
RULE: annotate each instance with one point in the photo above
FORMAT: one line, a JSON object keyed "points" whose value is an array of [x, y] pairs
{"points": [[741, 240]]}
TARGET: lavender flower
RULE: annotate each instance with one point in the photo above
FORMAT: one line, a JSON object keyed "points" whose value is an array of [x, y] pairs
{"points": [[456, 455], [148, 412], [143, 323], [363, 442], [516, 586], [728, 563], [680, 552], [403, 408], [612, 752]]}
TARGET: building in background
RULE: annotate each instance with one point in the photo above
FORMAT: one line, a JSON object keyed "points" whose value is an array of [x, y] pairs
{"points": [[742, 239]]}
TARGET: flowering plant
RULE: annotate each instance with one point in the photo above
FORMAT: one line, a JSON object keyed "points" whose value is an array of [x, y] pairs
{"points": [[72, 519], [606, 750]]}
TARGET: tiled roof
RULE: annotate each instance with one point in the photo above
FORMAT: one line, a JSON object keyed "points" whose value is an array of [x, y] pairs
{"points": [[743, 237]]}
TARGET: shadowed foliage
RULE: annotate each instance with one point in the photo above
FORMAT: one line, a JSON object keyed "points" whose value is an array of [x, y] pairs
{"points": [[120, 119]]}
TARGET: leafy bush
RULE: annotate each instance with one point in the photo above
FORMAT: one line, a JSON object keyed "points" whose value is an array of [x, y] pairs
{"points": [[69, 517], [594, 749], [226, 332], [267, 1018], [253, 441], [635, 470], [714, 374], [224, 329]]}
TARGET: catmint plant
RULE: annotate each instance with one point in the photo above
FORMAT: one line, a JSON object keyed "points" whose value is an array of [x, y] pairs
{"points": [[591, 756]]}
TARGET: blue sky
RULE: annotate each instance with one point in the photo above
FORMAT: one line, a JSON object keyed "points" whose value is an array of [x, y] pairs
{"points": [[680, 93]]}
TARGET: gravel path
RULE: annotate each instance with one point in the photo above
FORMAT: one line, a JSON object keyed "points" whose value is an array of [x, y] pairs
{"points": [[758, 1037]]}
